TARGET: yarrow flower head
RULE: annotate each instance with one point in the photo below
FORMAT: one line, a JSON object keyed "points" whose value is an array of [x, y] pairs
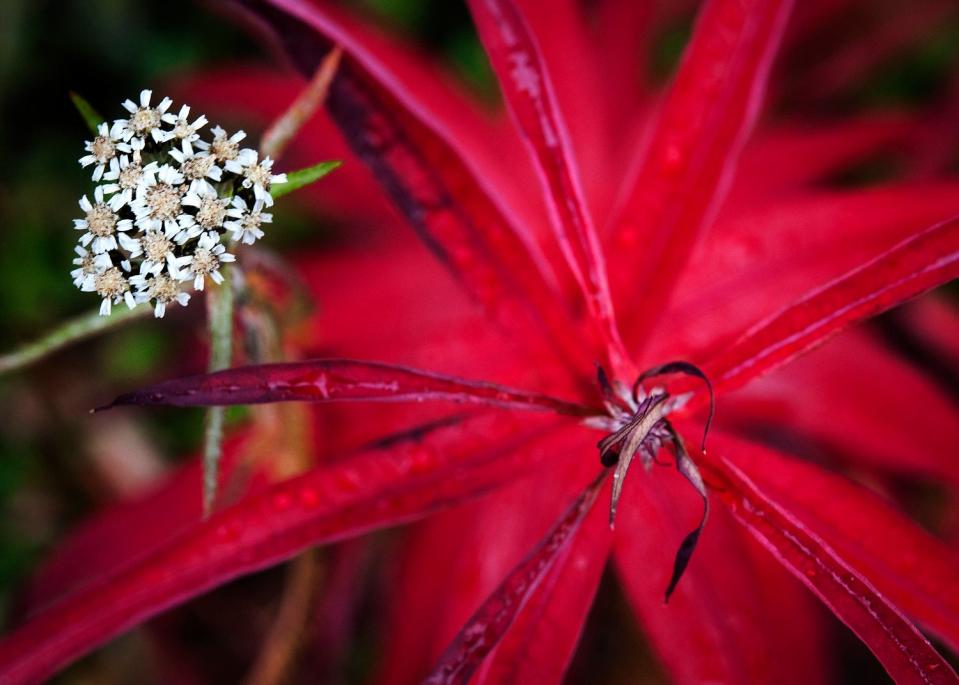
{"points": [[166, 206]]}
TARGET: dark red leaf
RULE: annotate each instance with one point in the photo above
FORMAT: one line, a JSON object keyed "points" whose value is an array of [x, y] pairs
{"points": [[935, 322], [336, 380], [384, 486], [529, 93], [491, 621], [683, 174], [906, 655]]}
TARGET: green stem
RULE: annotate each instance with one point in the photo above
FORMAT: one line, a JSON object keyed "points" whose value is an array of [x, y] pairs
{"points": [[75, 330], [220, 317]]}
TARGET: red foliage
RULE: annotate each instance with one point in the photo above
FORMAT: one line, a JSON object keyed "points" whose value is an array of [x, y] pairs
{"points": [[715, 246]]}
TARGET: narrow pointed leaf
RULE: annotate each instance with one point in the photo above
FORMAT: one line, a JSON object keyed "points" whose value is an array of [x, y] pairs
{"points": [[539, 645], [303, 177], [380, 487], [846, 398], [491, 621], [732, 597], [333, 380], [912, 267], [128, 529], [477, 545], [791, 246], [682, 177], [815, 153], [905, 563], [422, 146], [529, 93], [90, 116], [562, 28], [906, 655]]}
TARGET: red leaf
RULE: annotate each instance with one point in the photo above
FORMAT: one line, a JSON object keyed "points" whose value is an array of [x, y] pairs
{"points": [[126, 530], [336, 380], [906, 655], [732, 599], [848, 397], [561, 30], [935, 321], [380, 487], [539, 645], [906, 564], [790, 247], [529, 93], [476, 546], [252, 94], [427, 169], [912, 267], [684, 174], [491, 621], [814, 153], [623, 30]]}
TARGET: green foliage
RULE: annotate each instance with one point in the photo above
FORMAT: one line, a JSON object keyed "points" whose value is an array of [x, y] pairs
{"points": [[303, 177], [90, 115]]}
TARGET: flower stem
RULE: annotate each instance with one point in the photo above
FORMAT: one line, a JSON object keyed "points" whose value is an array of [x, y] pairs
{"points": [[75, 330], [220, 318], [282, 130]]}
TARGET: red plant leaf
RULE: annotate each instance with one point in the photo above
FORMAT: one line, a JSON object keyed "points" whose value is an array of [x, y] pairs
{"points": [[677, 187], [254, 94], [529, 93], [384, 486], [426, 170], [492, 620], [476, 545], [847, 398], [622, 27], [912, 267], [814, 154], [906, 655], [935, 322], [790, 247], [539, 645], [907, 565], [561, 30], [732, 598], [127, 530], [336, 380]]}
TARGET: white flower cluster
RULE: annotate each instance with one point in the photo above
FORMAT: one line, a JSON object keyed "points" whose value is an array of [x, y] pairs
{"points": [[166, 207]]}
